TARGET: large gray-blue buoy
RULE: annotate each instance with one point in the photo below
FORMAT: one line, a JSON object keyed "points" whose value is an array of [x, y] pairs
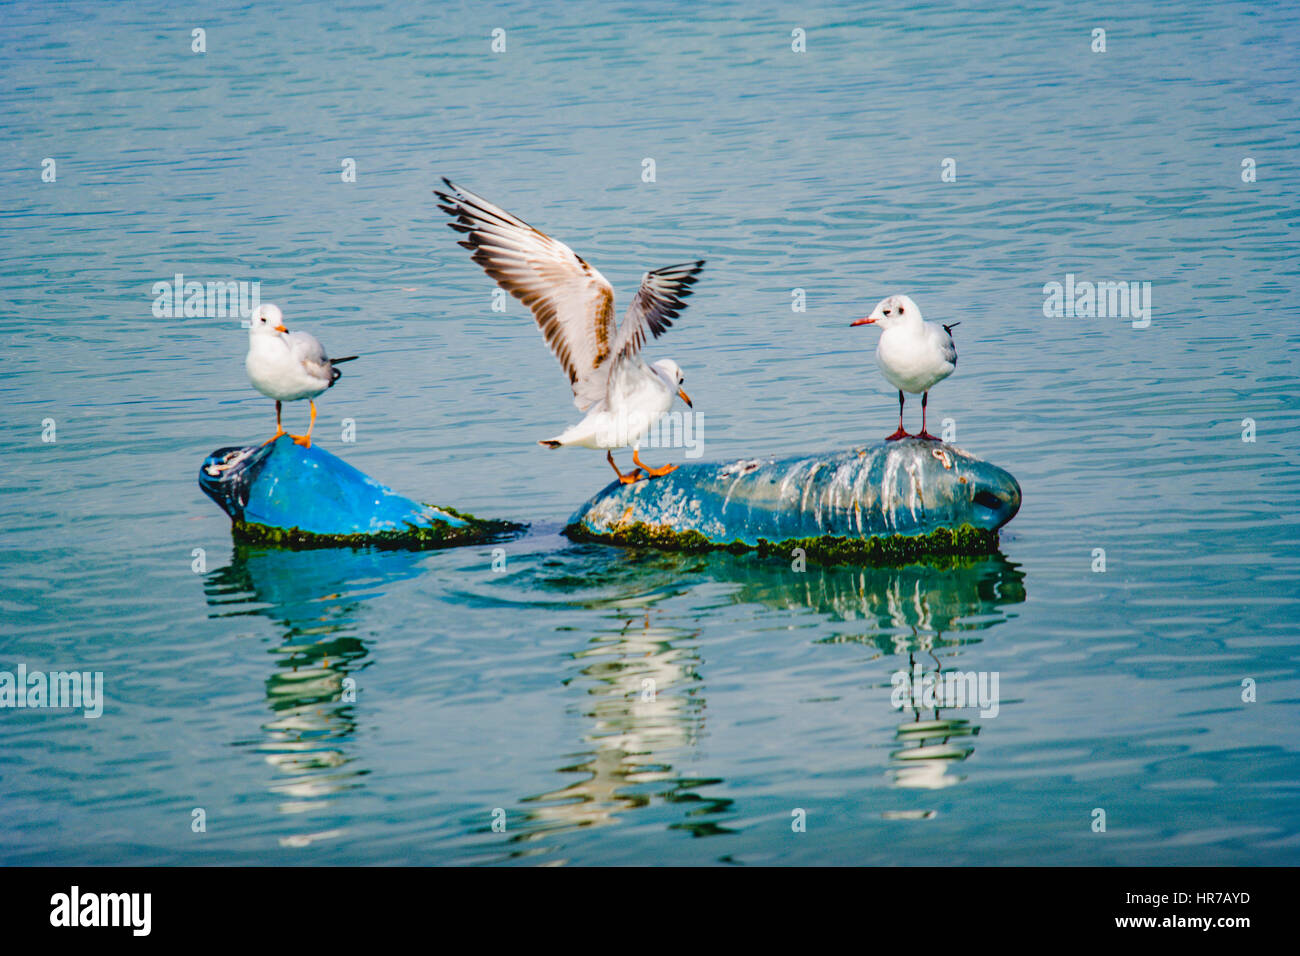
{"points": [[888, 502]]}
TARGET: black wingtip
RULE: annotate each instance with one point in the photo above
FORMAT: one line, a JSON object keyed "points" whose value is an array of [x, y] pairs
{"points": [[682, 271]]}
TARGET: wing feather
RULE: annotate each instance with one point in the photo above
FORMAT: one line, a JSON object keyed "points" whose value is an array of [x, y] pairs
{"points": [[572, 303], [310, 354], [659, 300]]}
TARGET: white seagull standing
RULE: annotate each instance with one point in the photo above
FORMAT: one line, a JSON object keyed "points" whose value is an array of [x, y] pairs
{"points": [[574, 307], [915, 355], [287, 366]]}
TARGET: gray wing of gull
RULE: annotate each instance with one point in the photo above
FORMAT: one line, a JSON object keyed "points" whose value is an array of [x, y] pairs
{"points": [[659, 300], [308, 350], [942, 338]]}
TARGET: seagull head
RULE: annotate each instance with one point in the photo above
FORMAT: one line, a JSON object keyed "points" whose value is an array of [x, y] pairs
{"points": [[266, 320], [893, 311], [671, 373]]}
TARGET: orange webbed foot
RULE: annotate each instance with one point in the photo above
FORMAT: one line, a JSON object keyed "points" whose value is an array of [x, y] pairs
{"points": [[652, 472]]}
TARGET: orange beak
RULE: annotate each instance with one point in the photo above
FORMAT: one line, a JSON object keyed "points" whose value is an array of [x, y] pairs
{"points": [[281, 328], [685, 398], [862, 322]]}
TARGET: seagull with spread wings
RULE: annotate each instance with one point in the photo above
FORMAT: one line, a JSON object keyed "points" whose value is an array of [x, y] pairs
{"points": [[574, 307]]}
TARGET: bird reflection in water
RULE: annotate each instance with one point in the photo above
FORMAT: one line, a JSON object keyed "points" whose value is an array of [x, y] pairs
{"points": [[929, 609], [929, 746], [644, 701], [313, 599]]}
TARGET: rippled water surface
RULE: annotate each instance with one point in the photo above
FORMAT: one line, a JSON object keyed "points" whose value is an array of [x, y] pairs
{"points": [[229, 677]]}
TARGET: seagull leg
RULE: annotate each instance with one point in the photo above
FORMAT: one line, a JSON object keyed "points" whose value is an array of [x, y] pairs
{"points": [[900, 433], [305, 440], [651, 472], [627, 479], [923, 434], [279, 429]]}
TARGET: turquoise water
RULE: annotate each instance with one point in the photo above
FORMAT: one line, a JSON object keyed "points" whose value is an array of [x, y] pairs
{"points": [[228, 675]]}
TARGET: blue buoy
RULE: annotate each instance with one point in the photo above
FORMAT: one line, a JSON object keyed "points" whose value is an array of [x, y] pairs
{"points": [[885, 502], [284, 494]]}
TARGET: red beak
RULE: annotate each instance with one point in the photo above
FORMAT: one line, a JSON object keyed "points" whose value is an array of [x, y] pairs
{"points": [[862, 322]]}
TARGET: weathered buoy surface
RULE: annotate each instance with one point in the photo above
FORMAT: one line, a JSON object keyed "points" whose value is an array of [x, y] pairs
{"points": [[285, 494], [886, 502]]}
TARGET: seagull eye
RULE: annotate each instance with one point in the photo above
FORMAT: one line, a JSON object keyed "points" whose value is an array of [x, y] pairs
{"points": [[886, 312], [900, 310]]}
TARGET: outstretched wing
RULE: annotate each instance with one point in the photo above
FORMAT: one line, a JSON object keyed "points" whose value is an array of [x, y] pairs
{"points": [[572, 302], [659, 300]]}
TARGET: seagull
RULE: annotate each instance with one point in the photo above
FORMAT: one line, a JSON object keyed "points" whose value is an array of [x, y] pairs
{"points": [[287, 366], [574, 307], [915, 355]]}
